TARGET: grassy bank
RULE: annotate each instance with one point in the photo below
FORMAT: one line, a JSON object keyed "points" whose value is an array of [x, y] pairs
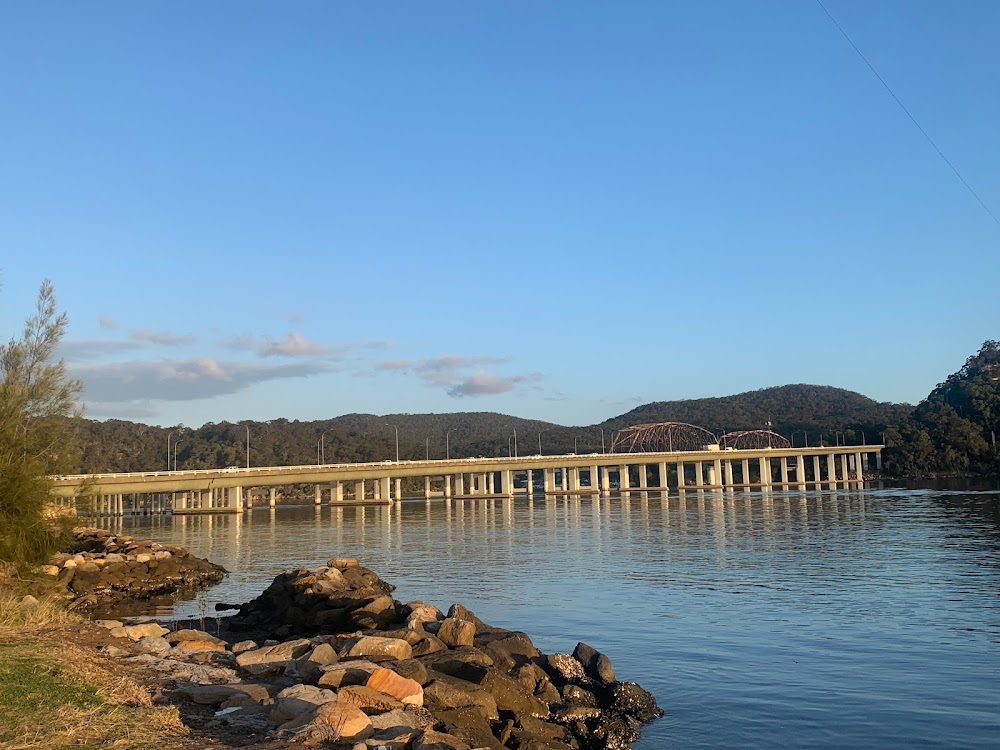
{"points": [[56, 691]]}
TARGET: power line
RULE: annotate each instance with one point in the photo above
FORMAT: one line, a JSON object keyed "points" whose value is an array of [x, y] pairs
{"points": [[908, 113]]}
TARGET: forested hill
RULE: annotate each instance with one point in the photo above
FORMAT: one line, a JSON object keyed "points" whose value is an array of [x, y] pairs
{"points": [[799, 411], [788, 408]]}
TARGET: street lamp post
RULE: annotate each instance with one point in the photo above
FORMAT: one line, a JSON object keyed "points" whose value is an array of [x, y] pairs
{"points": [[447, 446], [602, 439], [321, 448], [837, 437], [176, 443], [397, 439], [540, 441], [169, 434], [574, 444], [510, 453]]}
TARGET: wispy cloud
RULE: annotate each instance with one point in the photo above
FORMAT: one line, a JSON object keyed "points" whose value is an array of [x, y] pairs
{"points": [[451, 372], [107, 322], [481, 383], [182, 380], [161, 338]]}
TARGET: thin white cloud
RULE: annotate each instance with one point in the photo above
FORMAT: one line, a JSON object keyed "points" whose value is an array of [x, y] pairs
{"points": [[161, 338], [450, 371], [182, 380], [292, 344], [481, 383], [107, 322]]}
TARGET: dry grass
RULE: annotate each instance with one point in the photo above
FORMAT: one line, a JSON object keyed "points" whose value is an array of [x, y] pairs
{"points": [[55, 694], [46, 612]]}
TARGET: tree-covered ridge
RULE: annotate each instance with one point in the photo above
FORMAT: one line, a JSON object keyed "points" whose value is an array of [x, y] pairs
{"points": [[953, 430], [816, 410]]}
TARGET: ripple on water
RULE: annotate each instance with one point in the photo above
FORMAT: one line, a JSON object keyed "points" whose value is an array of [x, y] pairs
{"points": [[818, 619]]}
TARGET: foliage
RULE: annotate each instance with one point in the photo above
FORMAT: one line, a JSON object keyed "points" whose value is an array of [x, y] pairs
{"points": [[953, 430], [37, 417]]}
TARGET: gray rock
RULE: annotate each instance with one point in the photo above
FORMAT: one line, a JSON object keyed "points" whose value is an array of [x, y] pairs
{"points": [[152, 645], [297, 700]]}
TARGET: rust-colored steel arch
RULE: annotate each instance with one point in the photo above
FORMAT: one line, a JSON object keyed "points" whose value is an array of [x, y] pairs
{"points": [[753, 440], [660, 437]]}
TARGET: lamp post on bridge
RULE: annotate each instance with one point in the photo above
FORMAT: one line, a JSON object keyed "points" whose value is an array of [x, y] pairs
{"points": [[540, 440], [321, 448], [447, 446], [169, 434], [514, 455], [805, 436], [388, 424], [176, 443]]}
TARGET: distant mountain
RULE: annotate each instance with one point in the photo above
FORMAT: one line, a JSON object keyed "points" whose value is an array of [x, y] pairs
{"points": [[805, 412], [813, 409]]}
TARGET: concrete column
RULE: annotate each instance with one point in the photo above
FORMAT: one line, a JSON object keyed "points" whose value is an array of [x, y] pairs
{"points": [[623, 477], [528, 486], [605, 482], [574, 479], [317, 494], [859, 468], [447, 485], [729, 482], [816, 472], [489, 483], [271, 497], [699, 474], [831, 471], [800, 472], [663, 475], [595, 479], [460, 483], [713, 476], [878, 462], [843, 467], [427, 488], [746, 471], [680, 475], [505, 482], [784, 472], [482, 484], [386, 489], [643, 481], [549, 478], [337, 492], [765, 471], [236, 497], [717, 470], [398, 488]]}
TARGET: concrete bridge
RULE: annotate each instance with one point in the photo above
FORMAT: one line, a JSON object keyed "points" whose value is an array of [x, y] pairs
{"points": [[231, 490]]}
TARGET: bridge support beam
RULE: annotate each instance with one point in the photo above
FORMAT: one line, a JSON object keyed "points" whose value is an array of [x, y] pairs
{"points": [[680, 476]]}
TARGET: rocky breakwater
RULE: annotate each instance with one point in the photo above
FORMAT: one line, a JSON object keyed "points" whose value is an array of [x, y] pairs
{"points": [[102, 569], [337, 661]]}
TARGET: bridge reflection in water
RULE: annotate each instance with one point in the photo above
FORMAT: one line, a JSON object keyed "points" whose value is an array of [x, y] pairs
{"points": [[414, 538]]}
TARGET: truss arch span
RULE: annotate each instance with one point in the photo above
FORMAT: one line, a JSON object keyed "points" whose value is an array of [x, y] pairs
{"points": [[753, 440], [662, 437]]}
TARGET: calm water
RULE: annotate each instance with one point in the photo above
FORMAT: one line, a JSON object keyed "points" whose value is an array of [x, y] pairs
{"points": [[820, 620]]}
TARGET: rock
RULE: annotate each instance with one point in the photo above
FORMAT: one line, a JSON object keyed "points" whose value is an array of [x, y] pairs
{"points": [[311, 665], [135, 632], [242, 646], [429, 644], [595, 664], [151, 644], [29, 601], [340, 563], [209, 694], [402, 718], [193, 635], [431, 740], [271, 659], [564, 668], [297, 700], [577, 696], [341, 674], [349, 721], [449, 692], [455, 632], [614, 731], [368, 700], [109, 624], [508, 649], [470, 724], [412, 669], [628, 699], [49, 570], [401, 688], [372, 645]]}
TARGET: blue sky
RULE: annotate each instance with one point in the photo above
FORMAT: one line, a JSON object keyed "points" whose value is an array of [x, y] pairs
{"points": [[554, 210]]}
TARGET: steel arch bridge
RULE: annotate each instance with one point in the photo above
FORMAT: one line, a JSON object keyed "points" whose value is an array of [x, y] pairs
{"points": [[753, 440], [661, 437]]}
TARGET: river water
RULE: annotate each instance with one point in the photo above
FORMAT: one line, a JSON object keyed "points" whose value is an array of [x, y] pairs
{"points": [[785, 620]]}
